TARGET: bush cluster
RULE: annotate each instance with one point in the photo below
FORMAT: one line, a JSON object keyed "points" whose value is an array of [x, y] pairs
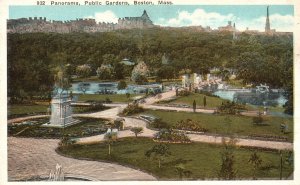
{"points": [[228, 107], [171, 136], [158, 123], [190, 125], [131, 109], [184, 93]]}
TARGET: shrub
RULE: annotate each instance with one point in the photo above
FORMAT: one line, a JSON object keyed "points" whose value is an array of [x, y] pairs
{"points": [[132, 109], [228, 107], [122, 85], [258, 119], [158, 123], [171, 136], [190, 125], [184, 93]]}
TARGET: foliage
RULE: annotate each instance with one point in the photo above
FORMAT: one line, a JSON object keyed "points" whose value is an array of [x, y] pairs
{"points": [[194, 105], [190, 125], [87, 127], [159, 152], [204, 101], [110, 137], [65, 141], [139, 78], [202, 159], [132, 108], [227, 171], [228, 107], [118, 123], [216, 123], [136, 130], [256, 161], [184, 93], [165, 72], [182, 171], [258, 119], [32, 55], [83, 71], [122, 85], [105, 72], [158, 123], [171, 136]]}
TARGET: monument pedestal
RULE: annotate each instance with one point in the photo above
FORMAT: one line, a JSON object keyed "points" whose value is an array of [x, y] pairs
{"points": [[61, 112]]}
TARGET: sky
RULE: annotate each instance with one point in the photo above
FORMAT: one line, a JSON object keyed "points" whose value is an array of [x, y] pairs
{"points": [[251, 16]]}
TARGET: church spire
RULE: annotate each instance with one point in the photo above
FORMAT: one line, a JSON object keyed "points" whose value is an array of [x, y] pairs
{"points": [[267, 27]]}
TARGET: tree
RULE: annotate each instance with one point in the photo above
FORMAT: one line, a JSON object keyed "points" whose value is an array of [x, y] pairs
{"points": [[194, 106], [122, 85], [256, 163], [83, 70], [158, 152], [204, 101], [258, 119], [181, 171], [118, 71], [110, 137], [136, 130], [227, 171], [105, 72]]}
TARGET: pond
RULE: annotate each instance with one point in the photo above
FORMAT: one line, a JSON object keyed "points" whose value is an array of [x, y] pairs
{"points": [[112, 88], [252, 97]]}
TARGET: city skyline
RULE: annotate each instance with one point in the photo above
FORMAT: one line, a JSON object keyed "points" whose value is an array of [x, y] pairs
{"points": [[252, 17]]}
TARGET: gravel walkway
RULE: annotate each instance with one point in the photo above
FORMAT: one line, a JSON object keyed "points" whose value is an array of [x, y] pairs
{"points": [[29, 157]]}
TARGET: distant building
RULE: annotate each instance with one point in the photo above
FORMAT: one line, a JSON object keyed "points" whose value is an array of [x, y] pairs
{"points": [[229, 27], [268, 29], [135, 22], [24, 25]]}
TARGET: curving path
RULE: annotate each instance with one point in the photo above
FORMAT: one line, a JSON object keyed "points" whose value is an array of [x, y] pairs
{"points": [[29, 157]]}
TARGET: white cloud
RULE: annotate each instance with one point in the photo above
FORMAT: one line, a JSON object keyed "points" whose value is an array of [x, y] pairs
{"points": [[215, 20], [107, 16], [198, 17], [279, 22]]}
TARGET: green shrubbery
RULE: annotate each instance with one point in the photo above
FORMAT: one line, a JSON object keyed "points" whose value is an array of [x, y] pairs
{"points": [[190, 125], [228, 107], [131, 109], [184, 93], [158, 123], [171, 136]]}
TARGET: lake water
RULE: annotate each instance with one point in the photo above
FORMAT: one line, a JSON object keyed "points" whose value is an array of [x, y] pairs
{"points": [[229, 95], [111, 88]]}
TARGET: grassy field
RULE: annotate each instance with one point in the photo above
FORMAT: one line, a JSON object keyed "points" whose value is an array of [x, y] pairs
{"points": [[240, 125], [203, 160], [211, 102], [23, 110], [87, 127], [102, 97]]}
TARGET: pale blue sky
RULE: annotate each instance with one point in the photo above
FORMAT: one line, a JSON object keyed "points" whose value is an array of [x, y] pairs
{"points": [[252, 16]]}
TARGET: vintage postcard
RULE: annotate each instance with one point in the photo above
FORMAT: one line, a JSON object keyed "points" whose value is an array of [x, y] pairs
{"points": [[149, 91]]}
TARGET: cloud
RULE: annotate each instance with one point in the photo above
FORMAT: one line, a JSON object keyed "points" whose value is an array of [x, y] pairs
{"points": [[215, 20], [277, 21], [198, 17], [107, 16]]}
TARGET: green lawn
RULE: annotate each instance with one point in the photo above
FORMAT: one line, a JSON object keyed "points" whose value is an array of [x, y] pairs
{"points": [[102, 97], [240, 125], [203, 160], [87, 127], [23, 110], [211, 102]]}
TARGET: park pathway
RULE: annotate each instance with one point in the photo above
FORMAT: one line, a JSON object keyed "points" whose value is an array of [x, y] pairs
{"points": [[28, 157]]}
